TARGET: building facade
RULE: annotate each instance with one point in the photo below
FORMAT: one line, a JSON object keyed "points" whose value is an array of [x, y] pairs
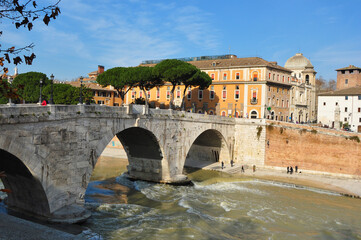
{"points": [[303, 92], [348, 77], [241, 87], [341, 108]]}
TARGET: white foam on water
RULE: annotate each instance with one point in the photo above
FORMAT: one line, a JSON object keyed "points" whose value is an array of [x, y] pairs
{"points": [[228, 187]]}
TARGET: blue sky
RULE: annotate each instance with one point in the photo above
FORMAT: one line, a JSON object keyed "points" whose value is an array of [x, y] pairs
{"points": [[116, 33]]}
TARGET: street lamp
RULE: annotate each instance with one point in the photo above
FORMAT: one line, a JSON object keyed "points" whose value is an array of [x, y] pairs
{"points": [[10, 81], [51, 101], [41, 84], [81, 91]]}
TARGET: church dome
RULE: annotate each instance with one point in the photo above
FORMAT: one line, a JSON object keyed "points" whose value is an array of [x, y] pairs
{"points": [[298, 62]]}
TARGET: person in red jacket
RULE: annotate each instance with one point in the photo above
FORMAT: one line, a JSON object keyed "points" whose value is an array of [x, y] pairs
{"points": [[43, 103]]}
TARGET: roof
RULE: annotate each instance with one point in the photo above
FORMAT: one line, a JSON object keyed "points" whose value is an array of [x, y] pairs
{"points": [[298, 62], [351, 67], [344, 92], [232, 63], [93, 86]]}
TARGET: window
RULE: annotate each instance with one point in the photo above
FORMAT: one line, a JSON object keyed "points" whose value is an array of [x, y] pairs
{"points": [[140, 94], [100, 102], [200, 94], [346, 97], [158, 93], [269, 76], [287, 103], [212, 76], [269, 88], [211, 93], [278, 77], [134, 93], [273, 77], [359, 97], [351, 71], [254, 114], [214, 64], [359, 109], [189, 93], [278, 102], [148, 94], [283, 91], [345, 109], [178, 92], [236, 93], [225, 76], [237, 76], [345, 119], [307, 79], [288, 79], [343, 72], [211, 112], [283, 103], [168, 93], [255, 77], [299, 75], [359, 120], [269, 102], [283, 79], [223, 113], [278, 89], [224, 93], [346, 81]]}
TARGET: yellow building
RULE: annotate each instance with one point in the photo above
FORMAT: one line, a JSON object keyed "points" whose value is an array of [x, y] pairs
{"points": [[242, 87]]}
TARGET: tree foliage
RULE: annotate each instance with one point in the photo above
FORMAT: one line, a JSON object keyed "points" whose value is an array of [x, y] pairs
{"points": [[67, 94], [145, 78], [175, 72], [120, 78], [28, 85], [322, 85], [23, 14]]}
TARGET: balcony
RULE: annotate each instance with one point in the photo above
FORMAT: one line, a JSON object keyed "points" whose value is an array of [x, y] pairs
{"points": [[254, 101]]}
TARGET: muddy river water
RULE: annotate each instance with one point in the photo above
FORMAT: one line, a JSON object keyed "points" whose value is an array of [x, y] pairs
{"points": [[217, 206]]}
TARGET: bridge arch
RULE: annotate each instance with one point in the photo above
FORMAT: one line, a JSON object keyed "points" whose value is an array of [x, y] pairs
{"points": [[27, 193], [209, 147]]}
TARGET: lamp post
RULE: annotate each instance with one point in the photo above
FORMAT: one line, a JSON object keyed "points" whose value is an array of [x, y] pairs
{"points": [[51, 101], [41, 84], [81, 91], [10, 81]]}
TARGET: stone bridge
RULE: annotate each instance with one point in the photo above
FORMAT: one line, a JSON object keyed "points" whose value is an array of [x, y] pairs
{"points": [[49, 152]]}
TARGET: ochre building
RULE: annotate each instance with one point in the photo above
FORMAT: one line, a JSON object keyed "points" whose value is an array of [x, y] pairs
{"points": [[241, 87]]}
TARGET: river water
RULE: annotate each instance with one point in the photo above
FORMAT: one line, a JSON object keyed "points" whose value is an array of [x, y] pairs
{"points": [[218, 206]]}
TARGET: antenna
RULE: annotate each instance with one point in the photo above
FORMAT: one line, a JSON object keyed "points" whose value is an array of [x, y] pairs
{"points": [[229, 49]]}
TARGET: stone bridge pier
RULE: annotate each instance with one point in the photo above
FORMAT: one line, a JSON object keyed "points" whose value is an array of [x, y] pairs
{"points": [[49, 152]]}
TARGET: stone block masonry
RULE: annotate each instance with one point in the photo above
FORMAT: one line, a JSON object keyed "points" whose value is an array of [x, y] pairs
{"points": [[313, 149]]}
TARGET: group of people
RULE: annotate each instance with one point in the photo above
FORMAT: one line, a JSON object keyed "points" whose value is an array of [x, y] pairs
{"points": [[290, 169]]}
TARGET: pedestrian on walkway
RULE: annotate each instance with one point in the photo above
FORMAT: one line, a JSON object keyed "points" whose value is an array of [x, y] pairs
{"points": [[296, 168], [242, 170], [232, 163], [254, 168], [288, 169], [222, 164], [291, 170]]}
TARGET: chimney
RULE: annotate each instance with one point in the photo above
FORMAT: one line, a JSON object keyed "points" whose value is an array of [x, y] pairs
{"points": [[100, 69]]}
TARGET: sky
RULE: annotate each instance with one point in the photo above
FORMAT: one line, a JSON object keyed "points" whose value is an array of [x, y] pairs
{"points": [[120, 33]]}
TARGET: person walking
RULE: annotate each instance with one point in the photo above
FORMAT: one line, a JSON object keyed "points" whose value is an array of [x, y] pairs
{"points": [[222, 164], [242, 170], [291, 170], [296, 168], [288, 170], [232, 163], [254, 168]]}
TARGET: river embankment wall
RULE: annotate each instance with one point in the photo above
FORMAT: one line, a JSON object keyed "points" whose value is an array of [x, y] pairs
{"points": [[312, 149]]}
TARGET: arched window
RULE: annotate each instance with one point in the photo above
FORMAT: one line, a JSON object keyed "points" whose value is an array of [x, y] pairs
{"points": [[211, 112], [255, 76], [307, 79], [237, 114], [189, 94], [200, 111], [178, 92], [158, 93], [224, 92], [223, 113], [168, 93], [211, 93], [254, 114]]}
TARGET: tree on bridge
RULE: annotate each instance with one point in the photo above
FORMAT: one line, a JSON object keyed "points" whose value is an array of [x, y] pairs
{"points": [[28, 85], [120, 78], [200, 79], [67, 94], [145, 78], [175, 72], [21, 15]]}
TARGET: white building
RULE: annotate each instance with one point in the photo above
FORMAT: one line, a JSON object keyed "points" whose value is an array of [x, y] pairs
{"points": [[303, 91], [341, 106]]}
